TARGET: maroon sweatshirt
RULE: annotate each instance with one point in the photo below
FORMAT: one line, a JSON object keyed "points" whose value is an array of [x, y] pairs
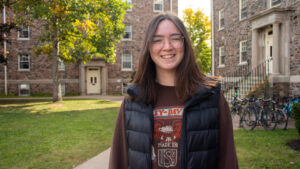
{"points": [[167, 114]]}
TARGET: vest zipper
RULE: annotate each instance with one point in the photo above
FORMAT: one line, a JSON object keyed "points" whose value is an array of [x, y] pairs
{"points": [[151, 139], [183, 148]]}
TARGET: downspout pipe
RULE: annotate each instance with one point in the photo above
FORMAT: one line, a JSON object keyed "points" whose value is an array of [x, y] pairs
{"points": [[212, 38], [171, 6], [4, 52]]}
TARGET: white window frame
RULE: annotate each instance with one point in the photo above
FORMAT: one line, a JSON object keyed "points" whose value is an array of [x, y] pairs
{"points": [[19, 33], [161, 3], [61, 65], [130, 32], [241, 3], [274, 5], [124, 88], [125, 54], [220, 14], [19, 62], [24, 86], [129, 2], [243, 49], [220, 56]]}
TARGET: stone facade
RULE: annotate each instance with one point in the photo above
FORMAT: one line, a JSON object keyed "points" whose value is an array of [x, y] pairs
{"points": [[279, 21], [75, 76]]}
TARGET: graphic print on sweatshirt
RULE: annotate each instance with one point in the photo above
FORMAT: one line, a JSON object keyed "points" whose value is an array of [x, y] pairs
{"points": [[166, 136]]}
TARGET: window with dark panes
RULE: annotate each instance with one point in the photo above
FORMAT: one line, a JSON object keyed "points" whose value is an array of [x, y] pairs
{"points": [[222, 55], [221, 19], [243, 51], [243, 9], [126, 61], [275, 2], [158, 5], [24, 90], [24, 62], [128, 32], [23, 32]]}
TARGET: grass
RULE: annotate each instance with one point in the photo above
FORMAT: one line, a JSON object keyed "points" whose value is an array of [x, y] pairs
{"points": [[61, 135], [266, 149]]}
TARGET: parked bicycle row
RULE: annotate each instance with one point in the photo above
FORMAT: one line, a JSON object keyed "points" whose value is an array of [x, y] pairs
{"points": [[268, 113]]}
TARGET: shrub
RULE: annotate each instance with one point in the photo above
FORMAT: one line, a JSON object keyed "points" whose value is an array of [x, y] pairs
{"points": [[296, 115]]}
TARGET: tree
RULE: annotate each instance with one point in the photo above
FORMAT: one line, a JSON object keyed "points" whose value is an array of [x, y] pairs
{"points": [[74, 30], [198, 26]]}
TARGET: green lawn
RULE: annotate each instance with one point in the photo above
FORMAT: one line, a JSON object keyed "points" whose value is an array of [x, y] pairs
{"points": [[266, 149], [57, 136]]}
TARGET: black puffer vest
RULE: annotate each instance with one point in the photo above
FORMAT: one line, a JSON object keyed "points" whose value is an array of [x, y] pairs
{"points": [[199, 134]]}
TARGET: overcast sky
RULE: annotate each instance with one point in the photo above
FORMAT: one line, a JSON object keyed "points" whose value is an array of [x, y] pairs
{"points": [[194, 4]]}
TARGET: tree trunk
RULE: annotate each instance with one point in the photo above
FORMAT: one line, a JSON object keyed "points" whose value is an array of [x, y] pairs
{"points": [[55, 52]]}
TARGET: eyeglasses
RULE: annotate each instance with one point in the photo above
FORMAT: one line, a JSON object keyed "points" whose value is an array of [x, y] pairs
{"points": [[175, 40]]}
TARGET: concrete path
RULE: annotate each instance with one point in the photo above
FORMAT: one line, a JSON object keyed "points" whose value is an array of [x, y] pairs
{"points": [[98, 162]]}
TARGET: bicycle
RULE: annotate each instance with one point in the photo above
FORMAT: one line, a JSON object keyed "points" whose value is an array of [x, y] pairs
{"points": [[248, 119], [284, 112], [259, 113]]}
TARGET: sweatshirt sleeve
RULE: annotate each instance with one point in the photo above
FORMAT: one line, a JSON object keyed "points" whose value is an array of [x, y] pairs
{"points": [[227, 153], [118, 153]]}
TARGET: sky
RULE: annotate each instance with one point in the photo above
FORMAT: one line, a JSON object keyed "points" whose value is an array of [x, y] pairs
{"points": [[194, 4]]}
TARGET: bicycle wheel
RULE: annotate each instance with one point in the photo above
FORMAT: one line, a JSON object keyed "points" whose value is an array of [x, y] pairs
{"points": [[282, 120], [248, 120], [269, 120]]}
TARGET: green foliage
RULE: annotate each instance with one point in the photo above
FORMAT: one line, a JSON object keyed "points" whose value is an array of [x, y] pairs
{"points": [[83, 29], [198, 26], [296, 115]]}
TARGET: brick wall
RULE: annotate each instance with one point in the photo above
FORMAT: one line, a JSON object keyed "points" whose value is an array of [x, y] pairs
{"points": [[235, 30]]}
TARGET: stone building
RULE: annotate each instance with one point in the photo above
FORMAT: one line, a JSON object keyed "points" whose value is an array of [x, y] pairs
{"points": [[253, 32], [28, 74]]}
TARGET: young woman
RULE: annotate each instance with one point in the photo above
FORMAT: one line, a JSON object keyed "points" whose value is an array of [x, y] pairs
{"points": [[174, 116]]}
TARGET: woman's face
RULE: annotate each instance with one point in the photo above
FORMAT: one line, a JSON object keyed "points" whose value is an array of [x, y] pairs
{"points": [[167, 47]]}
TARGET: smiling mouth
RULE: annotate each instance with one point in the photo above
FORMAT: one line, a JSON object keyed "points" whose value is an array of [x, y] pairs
{"points": [[167, 56]]}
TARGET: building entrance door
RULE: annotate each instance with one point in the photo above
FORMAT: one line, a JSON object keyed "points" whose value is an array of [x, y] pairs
{"points": [[269, 50], [93, 81]]}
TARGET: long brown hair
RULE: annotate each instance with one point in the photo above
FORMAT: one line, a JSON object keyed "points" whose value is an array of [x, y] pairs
{"points": [[189, 78]]}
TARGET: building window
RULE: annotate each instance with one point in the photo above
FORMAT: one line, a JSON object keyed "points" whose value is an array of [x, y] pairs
{"points": [[127, 61], [243, 52], [128, 32], [129, 2], [243, 9], [124, 88], [275, 2], [24, 62], [222, 56], [24, 90], [61, 65], [63, 89], [23, 33], [158, 5], [221, 19]]}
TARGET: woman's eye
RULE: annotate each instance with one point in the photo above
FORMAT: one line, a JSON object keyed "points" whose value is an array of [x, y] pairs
{"points": [[175, 39], [156, 40]]}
